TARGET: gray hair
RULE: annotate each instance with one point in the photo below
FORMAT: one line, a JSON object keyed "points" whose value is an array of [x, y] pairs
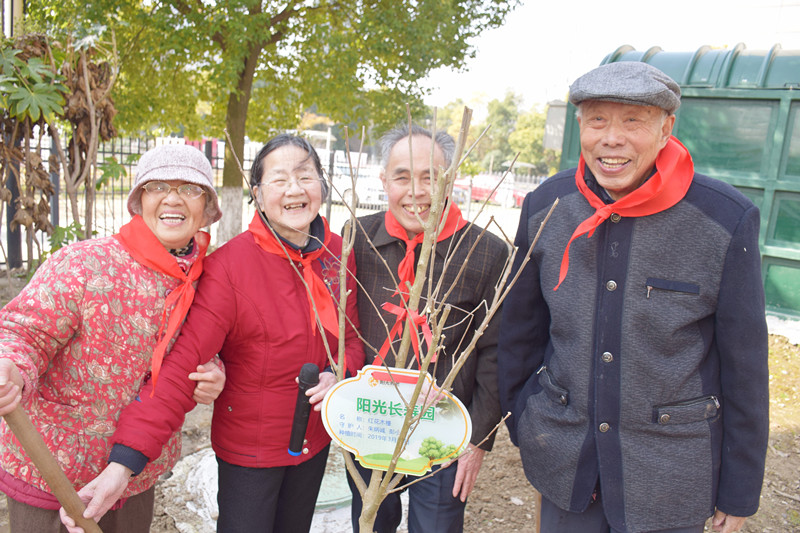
{"points": [[389, 139]]}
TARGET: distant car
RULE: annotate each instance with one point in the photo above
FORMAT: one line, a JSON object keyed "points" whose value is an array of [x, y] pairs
{"points": [[485, 188], [460, 193], [369, 188]]}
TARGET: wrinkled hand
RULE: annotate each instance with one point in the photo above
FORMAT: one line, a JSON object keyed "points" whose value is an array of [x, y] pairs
{"points": [[727, 523], [317, 392], [210, 379], [429, 396], [11, 384], [469, 464], [101, 493]]}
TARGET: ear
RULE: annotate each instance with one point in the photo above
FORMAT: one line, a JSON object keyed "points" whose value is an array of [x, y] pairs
{"points": [[666, 129], [257, 194], [382, 176]]}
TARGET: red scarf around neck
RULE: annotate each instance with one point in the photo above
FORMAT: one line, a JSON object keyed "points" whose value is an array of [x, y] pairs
{"points": [[665, 188], [319, 294], [146, 249], [407, 267], [406, 274]]}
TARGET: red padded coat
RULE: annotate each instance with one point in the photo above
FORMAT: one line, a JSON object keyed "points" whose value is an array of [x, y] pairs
{"points": [[251, 308]]}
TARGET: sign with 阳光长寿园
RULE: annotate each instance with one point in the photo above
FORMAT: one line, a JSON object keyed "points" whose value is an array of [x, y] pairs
{"points": [[365, 414]]}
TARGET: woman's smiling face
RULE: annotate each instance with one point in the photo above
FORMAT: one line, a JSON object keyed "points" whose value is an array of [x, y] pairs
{"points": [[173, 218], [290, 192]]}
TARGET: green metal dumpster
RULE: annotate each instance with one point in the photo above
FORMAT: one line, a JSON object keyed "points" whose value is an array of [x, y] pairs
{"points": [[740, 120]]}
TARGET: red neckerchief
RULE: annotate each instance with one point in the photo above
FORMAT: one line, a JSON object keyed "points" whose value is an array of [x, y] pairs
{"points": [[145, 248], [320, 296], [665, 188], [405, 272]]}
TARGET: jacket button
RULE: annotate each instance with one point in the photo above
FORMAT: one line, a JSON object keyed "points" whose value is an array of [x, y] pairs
{"points": [[615, 217], [663, 418], [607, 357], [230, 408], [563, 399], [305, 450], [611, 285], [604, 427]]}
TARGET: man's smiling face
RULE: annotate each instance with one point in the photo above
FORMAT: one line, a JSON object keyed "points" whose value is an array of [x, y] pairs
{"points": [[620, 142], [397, 178]]}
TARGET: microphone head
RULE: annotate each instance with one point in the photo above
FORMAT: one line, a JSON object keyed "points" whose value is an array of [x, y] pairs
{"points": [[309, 374]]}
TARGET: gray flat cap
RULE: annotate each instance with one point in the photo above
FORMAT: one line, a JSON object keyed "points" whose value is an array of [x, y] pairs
{"points": [[627, 82]]}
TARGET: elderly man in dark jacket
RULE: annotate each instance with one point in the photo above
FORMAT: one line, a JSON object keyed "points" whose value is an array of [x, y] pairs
{"points": [[436, 504], [638, 387]]}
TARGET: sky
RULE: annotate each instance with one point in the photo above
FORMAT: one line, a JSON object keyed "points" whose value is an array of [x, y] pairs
{"points": [[545, 45]]}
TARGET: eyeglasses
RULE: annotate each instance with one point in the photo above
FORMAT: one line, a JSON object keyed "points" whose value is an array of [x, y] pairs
{"points": [[187, 190], [283, 184]]}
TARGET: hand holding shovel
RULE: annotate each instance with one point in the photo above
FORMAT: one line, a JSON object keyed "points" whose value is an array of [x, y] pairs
{"points": [[34, 446]]}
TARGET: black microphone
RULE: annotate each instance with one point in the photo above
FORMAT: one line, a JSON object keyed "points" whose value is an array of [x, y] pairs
{"points": [[309, 377]]}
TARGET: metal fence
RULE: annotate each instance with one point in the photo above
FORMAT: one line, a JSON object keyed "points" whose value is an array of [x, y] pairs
{"points": [[109, 210]]}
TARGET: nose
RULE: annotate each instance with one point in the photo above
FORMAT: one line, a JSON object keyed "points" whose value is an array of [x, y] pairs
{"points": [[614, 134], [421, 187], [173, 196], [294, 187]]}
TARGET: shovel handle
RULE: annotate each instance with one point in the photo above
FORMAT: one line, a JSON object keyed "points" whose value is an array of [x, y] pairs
{"points": [[44, 461]]}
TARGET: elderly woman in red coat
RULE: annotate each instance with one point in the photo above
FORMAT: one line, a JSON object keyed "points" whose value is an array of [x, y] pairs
{"points": [[91, 327], [253, 307]]}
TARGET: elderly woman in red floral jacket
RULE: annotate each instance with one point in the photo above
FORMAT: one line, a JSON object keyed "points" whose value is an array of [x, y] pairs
{"points": [[92, 326], [268, 304]]}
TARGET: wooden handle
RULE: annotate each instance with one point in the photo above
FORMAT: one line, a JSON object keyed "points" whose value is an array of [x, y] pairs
{"points": [[537, 501], [44, 461]]}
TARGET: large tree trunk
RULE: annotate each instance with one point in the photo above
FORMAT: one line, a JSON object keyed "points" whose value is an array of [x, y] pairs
{"points": [[235, 122]]}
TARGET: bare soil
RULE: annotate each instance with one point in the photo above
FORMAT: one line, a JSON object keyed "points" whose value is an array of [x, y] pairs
{"points": [[503, 500]]}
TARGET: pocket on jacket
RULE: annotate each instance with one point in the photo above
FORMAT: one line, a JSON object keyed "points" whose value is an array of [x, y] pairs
{"points": [[555, 392], [654, 285], [687, 411]]}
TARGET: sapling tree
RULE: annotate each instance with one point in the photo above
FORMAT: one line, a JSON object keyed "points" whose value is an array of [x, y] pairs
{"points": [[435, 310]]}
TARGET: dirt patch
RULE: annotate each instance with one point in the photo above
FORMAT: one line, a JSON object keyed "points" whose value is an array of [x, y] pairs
{"points": [[503, 500]]}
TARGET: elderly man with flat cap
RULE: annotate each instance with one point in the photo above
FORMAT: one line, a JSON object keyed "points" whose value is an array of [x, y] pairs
{"points": [[633, 347]]}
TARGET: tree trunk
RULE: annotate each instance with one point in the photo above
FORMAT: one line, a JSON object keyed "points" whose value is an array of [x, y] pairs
{"points": [[235, 122], [371, 502]]}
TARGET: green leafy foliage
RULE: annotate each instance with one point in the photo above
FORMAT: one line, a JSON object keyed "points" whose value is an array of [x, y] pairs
{"points": [[30, 90], [63, 235], [186, 65], [511, 131], [111, 170], [527, 139]]}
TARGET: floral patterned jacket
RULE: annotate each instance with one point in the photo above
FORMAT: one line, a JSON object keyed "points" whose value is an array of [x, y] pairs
{"points": [[82, 332]]}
